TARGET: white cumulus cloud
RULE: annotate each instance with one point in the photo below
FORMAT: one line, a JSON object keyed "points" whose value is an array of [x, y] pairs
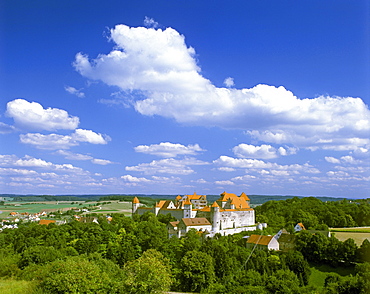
{"points": [[130, 178], [255, 164], [160, 66], [32, 115], [168, 165], [167, 149], [56, 141], [263, 151]]}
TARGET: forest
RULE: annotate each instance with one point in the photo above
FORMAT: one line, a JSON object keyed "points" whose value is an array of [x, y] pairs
{"points": [[134, 254]]}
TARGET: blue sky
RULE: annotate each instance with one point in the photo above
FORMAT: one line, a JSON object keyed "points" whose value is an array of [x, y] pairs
{"points": [[176, 97]]}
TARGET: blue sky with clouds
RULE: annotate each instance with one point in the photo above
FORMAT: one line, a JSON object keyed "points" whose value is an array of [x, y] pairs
{"points": [[172, 97]]}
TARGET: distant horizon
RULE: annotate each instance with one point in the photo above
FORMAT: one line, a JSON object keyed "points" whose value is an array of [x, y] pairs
{"points": [[156, 194]]}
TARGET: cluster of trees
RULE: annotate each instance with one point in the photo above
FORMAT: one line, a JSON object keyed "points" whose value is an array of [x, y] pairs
{"points": [[134, 255], [314, 213]]}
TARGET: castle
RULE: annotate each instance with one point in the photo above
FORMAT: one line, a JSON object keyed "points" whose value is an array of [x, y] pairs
{"points": [[228, 215]]}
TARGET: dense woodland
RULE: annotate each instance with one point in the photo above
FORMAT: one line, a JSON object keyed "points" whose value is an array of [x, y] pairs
{"points": [[134, 254]]}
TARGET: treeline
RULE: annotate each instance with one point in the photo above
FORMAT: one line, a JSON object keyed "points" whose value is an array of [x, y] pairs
{"points": [[40, 198], [134, 255], [314, 213], [128, 198]]}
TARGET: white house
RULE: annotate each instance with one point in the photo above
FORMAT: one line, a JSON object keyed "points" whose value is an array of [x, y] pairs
{"points": [[262, 242], [299, 227]]}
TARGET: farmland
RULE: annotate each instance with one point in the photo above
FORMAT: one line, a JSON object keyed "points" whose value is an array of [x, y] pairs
{"points": [[358, 234], [93, 207]]}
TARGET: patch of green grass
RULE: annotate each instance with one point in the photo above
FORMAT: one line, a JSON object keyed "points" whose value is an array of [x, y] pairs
{"points": [[320, 272], [317, 278], [11, 286]]}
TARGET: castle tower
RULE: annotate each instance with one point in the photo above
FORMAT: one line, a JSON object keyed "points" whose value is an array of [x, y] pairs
{"points": [[243, 195], [187, 208], [215, 217], [135, 204]]}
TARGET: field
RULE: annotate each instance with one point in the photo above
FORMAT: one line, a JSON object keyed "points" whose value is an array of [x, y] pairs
{"points": [[358, 234], [34, 207], [114, 207]]}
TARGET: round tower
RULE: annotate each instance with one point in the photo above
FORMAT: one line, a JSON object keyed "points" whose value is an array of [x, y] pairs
{"points": [[187, 208], [135, 204], [215, 217]]}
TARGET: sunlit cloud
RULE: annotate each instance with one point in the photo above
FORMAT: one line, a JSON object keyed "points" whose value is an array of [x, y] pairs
{"points": [[168, 149], [32, 115], [158, 64]]}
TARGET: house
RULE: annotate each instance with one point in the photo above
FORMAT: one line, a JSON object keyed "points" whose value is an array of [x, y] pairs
{"points": [[299, 227], [287, 242], [200, 224], [278, 234], [228, 215], [88, 219], [261, 242], [172, 229]]}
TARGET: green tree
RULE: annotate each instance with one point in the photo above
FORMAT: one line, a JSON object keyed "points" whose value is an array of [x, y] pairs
{"points": [[363, 253], [150, 273], [196, 271], [76, 275], [295, 262], [282, 281], [39, 255]]}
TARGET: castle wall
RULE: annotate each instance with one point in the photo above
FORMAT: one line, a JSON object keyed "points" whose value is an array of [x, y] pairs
{"points": [[236, 219]]}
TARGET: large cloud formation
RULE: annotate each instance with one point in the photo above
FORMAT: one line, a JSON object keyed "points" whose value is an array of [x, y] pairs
{"points": [[31, 115], [157, 65]]}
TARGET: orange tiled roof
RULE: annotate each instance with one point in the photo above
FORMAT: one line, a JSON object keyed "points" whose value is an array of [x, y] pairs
{"points": [[46, 222], [198, 221], [194, 196], [239, 202], [302, 226], [215, 204], [259, 239], [135, 200], [243, 195], [174, 224]]}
